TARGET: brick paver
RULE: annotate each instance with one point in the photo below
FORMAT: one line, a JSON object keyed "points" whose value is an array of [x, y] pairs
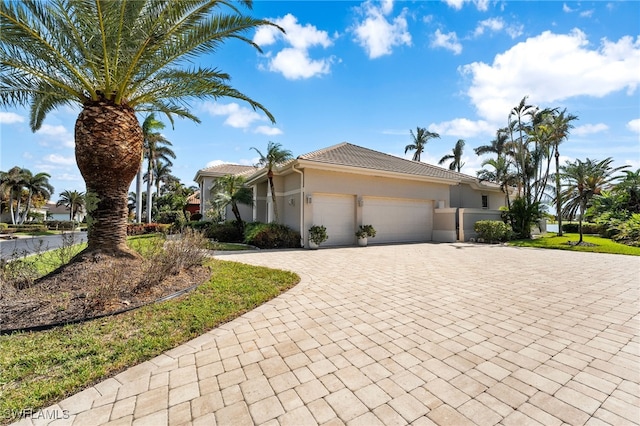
{"points": [[425, 334]]}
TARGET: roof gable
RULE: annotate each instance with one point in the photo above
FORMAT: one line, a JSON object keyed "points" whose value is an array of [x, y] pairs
{"points": [[347, 154]]}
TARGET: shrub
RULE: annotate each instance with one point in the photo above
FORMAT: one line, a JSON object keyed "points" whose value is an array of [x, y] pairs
{"points": [[587, 228], [196, 217], [318, 234], [629, 231], [227, 232], [200, 225], [177, 218], [147, 228], [29, 228], [271, 235], [62, 225], [493, 230], [3, 226]]}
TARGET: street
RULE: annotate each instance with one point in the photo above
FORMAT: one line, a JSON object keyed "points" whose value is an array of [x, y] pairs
{"points": [[28, 245]]}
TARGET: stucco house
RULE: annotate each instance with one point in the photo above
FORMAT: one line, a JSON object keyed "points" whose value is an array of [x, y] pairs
{"points": [[205, 178], [345, 185]]}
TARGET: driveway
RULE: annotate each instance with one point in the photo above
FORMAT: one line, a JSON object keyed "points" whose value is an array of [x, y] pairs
{"points": [[447, 334]]}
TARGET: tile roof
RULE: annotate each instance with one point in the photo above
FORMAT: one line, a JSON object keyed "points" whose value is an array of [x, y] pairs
{"points": [[347, 154], [228, 169]]}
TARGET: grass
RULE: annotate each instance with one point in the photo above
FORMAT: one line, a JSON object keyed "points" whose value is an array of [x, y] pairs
{"points": [[602, 245], [229, 246], [37, 369]]}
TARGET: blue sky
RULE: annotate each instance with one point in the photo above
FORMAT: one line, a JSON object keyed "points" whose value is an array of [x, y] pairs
{"points": [[367, 72]]}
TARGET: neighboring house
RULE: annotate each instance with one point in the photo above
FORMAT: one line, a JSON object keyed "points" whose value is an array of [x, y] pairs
{"points": [[345, 185], [193, 203], [54, 212], [205, 178]]}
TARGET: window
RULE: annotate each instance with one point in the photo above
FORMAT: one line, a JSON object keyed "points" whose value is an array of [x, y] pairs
{"points": [[485, 202]]}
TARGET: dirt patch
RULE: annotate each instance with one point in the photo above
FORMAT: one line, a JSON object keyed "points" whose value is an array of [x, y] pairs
{"points": [[582, 244], [88, 289]]}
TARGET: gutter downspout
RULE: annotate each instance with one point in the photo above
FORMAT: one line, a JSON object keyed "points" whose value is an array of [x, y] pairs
{"points": [[293, 167]]}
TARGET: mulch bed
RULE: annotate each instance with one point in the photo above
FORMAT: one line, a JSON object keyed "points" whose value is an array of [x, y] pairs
{"points": [[88, 289]]}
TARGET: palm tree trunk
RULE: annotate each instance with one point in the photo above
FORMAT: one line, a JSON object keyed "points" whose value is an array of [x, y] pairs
{"points": [[149, 186], [108, 152], [273, 199], [558, 194], [13, 218], [139, 193]]}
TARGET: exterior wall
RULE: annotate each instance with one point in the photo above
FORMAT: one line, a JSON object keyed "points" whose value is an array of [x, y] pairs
{"points": [[465, 196], [469, 217], [326, 182], [290, 201], [444, 225], [246, 212]]}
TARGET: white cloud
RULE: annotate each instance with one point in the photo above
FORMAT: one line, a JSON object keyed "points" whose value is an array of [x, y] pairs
{"points": [[492, 24], [463, 128], [295, 62], [267, 130], [215, 163], [496, 25], [586, 13], [448, 41], [566, 8], [237, 116], [634, 125], [481, 5], [60, 159], [57, 133], [10, 118], [378, 34], [550, 68], [589, 129]]}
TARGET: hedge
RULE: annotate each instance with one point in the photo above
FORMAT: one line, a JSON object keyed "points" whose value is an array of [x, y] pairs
{"points": [[587, 228], [493, 230]]}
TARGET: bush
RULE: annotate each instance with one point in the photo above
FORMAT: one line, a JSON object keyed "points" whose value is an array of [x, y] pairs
{"points": [[62, 225], [29, 228], [147, 228], [227, 232], [271, 235], [199, 225], [587, 228], [196, 217], [493, 230], [629, 231], [177, 218], [3, 226]]}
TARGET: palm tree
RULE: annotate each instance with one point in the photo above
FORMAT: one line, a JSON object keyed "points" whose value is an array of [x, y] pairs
{"points": [[73, 200], [420, 139], [113, 58], [500, 175], [583, 180], [560, 126], [275, 155], [456, 156], [13, 182], [35, 185], [497, 146], [230, 190], [149, 125], [630, 187], [156, 150]]}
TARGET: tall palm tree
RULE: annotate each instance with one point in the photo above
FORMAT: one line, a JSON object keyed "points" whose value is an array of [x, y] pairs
{"points": [[419, 141], [35, 185], [560, 126], [13, 182], [456, 156], [113, 58], [230, 190], [500, 175], [497, 146], [275, 155], [583, 180], [155, 150], [73, 200], [149, 126], [630, 187]]}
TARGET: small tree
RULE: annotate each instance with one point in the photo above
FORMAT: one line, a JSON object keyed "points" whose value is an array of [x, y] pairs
{"points": [[275, 155]]}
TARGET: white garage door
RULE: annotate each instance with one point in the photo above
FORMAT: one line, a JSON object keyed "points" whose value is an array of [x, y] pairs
{"points": [[398, 220], [338, 214]]}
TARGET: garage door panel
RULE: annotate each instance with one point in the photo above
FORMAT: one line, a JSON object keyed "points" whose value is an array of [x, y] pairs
{"points": [[337, 214], [399, 220]]}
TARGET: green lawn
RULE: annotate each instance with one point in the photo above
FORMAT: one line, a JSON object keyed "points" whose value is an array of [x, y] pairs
{"points": [[602, 245], [37, 369]]}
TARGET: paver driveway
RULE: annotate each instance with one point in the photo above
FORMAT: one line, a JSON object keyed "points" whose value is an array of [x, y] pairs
{"points": [[447, 334]]}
